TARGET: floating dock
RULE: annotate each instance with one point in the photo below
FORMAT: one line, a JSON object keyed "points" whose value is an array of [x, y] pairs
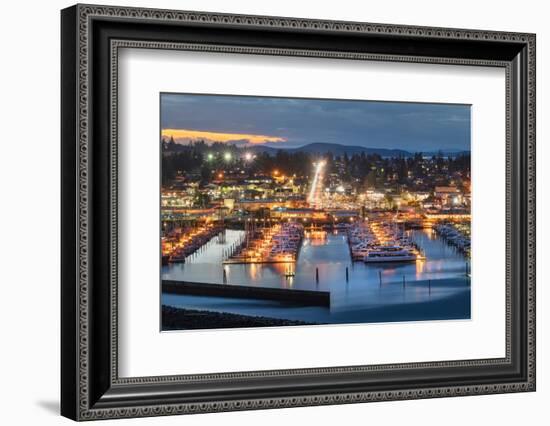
{"points": [[252, 261]]}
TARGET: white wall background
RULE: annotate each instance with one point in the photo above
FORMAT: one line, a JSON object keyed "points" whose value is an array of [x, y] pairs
{"points": [[29, 212]]}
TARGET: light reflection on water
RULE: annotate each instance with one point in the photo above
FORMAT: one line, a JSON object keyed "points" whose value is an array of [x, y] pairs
{"points": [[442, 276]]}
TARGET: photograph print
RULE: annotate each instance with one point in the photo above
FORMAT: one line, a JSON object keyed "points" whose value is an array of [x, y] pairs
{"points": [[305, 212]]}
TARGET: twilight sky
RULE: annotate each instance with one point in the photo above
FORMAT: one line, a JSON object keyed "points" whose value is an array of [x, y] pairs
{"points": [[293, 122]]}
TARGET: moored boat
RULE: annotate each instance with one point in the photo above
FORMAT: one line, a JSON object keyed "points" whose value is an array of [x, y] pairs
{"points": [[390, 254]]}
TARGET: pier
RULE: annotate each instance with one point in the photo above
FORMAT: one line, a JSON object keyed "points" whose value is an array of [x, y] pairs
{"points": [[456, 235], [279, 243], [181, 242]]}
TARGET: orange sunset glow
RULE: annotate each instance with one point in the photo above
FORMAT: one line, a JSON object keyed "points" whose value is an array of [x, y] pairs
{"points": [[187, 135]]}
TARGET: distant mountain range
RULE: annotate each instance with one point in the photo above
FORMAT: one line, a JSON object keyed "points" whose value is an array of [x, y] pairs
{"points": [[334, 148], [339, 150]]}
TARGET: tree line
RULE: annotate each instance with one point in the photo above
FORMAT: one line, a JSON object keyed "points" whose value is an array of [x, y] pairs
{"points": [[201, 160]]}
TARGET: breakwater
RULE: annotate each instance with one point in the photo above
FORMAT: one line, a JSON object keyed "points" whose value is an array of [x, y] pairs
{"points": [[291, 296]]}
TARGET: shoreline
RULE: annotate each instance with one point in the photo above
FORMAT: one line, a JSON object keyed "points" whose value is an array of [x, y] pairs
{"points": [[191, 319]]}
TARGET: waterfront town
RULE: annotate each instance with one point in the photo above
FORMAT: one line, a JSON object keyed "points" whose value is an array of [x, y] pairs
{"points": [[274, 198], [293, 211]]}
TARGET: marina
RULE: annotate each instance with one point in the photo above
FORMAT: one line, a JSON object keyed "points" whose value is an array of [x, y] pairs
{"points": [[358, 290]]}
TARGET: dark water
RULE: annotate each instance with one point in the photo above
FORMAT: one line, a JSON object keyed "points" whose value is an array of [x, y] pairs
{"points": [[436, 288]]}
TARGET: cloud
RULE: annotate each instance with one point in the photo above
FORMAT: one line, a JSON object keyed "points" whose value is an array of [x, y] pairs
{"points": [[187, 135], [255, 119]]}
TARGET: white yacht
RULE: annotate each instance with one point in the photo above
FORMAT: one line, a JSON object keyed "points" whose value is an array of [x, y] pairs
{"points": [[390, 254]]}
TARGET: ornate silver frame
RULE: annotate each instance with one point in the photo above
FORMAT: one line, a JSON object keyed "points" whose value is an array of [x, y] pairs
{"points": [[91, 388]]}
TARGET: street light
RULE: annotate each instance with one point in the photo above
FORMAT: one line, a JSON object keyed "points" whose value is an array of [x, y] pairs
{"points": [[210, 156], [227, 156], [248, 156]]}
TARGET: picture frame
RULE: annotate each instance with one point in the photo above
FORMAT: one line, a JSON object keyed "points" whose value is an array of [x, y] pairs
{"points": [[90, 384]]}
